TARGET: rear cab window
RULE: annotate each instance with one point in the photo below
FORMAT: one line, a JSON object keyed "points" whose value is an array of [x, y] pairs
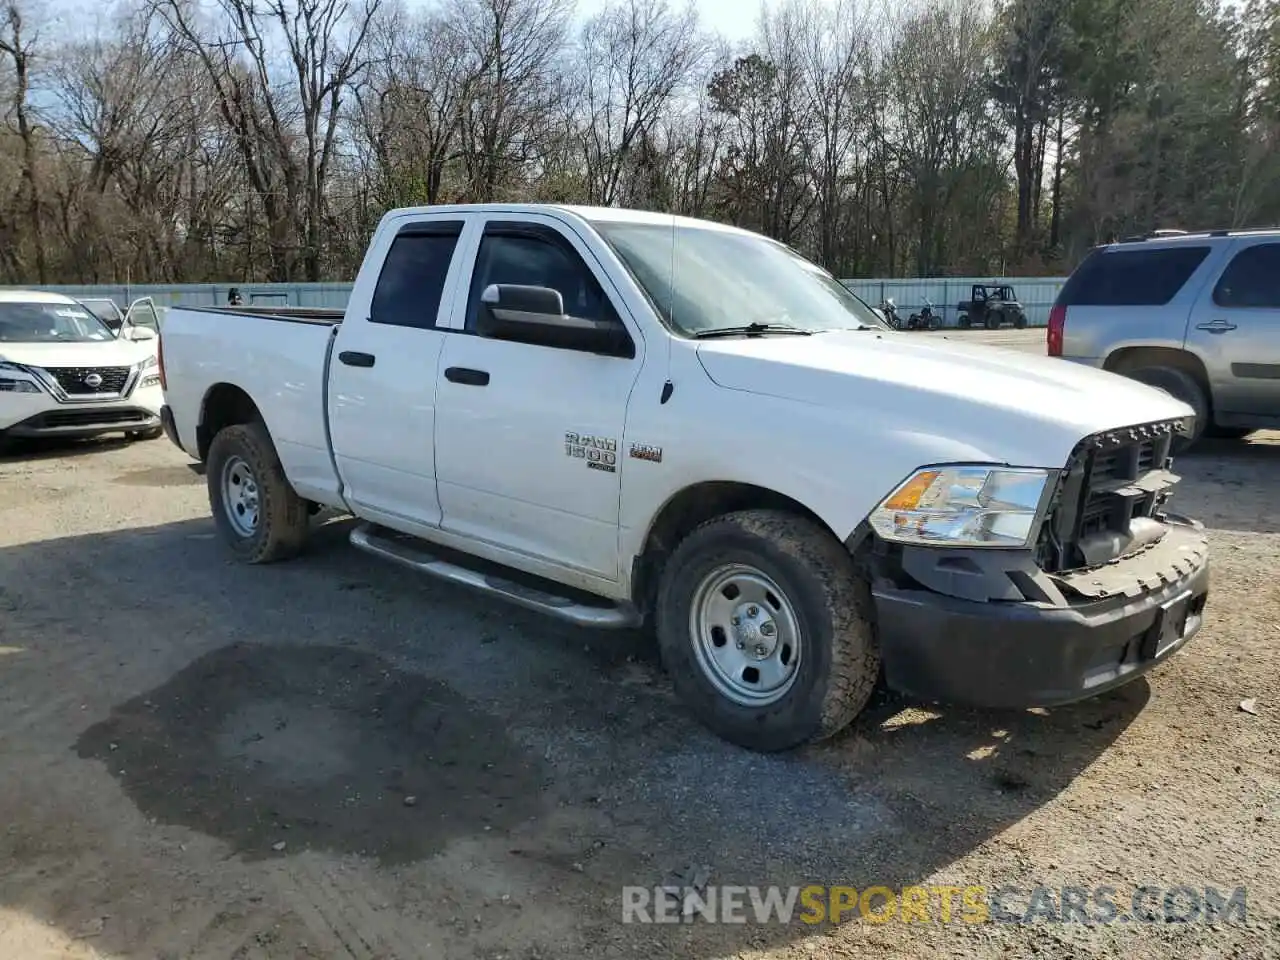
{"points": [[1140, 277]]}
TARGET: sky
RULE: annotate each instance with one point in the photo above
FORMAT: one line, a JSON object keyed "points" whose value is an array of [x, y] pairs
{"points": [[735, 20]]}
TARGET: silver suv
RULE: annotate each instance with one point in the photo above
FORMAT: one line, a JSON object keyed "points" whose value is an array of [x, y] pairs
{"points": [[1197, 315]]}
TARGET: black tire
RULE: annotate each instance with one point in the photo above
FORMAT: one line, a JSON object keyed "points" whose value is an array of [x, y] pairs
{"points": [[282, 516], [1182, 386], [935, 322], [993, 320], [155, 433], [963, 322], [837, 659], [1020, 322]]}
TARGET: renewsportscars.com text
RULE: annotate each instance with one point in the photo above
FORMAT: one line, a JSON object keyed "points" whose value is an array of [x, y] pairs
{"points": [[815, 904]]}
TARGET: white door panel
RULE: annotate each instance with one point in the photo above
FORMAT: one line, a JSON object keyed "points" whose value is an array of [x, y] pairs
{"points": [[528, 437], [530, 460], [384, 374]]}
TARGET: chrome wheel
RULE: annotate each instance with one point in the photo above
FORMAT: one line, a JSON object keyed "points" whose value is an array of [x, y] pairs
{"points": [[745, 634], [240, 496]]}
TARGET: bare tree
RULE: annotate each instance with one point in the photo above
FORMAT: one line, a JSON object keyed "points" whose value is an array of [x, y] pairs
{"points": [[410, 105], [637, 56], [514, 46], [285, 118], [938, 86], [19, 44]]}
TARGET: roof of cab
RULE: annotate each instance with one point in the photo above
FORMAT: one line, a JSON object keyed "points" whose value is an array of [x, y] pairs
{"points": [[587, 213], [32, 296]]}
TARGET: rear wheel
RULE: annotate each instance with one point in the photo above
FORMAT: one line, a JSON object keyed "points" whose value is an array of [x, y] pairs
{"points": [[1182, 386], [257, 512], [764, 626]]}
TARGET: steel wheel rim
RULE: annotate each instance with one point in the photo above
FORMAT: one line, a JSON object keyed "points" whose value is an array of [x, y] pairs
{"points": [[746, 635], [240, 496]]}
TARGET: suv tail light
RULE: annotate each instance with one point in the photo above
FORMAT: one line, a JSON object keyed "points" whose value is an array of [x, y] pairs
{"points": [[1057, 325]]}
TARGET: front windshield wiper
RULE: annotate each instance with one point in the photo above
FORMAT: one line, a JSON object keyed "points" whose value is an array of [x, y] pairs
{"points": [[752, 330]]}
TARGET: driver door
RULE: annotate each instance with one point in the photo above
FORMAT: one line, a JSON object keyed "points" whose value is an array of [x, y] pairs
{"points": [[528, 436]]}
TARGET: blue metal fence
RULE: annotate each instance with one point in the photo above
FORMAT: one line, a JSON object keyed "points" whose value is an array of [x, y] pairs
{"points": [[1035, 293]]}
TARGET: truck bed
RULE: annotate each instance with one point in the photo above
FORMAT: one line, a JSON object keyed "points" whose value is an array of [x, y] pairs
{"points": [[276, 356]]}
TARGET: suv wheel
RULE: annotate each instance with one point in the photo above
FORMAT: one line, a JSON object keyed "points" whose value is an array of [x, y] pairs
{"points": [[1182, 386]]}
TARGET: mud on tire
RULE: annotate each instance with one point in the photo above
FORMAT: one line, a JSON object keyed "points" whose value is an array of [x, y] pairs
{"points": [[819, 598], [282, 517]]}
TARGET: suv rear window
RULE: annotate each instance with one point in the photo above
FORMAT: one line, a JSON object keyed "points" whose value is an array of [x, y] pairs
{"points": [[1148, 277]]}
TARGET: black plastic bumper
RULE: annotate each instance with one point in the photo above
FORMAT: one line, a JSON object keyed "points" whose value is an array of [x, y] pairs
{"points": [[1017, 654], [82, 423]]}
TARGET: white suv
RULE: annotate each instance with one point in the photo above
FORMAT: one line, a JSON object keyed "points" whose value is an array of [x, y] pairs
{"points": [[64, 373]]}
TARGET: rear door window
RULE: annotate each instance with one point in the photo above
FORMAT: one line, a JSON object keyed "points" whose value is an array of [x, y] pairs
{"points": [[1251, 280], [1142, 277], [411, 284]]}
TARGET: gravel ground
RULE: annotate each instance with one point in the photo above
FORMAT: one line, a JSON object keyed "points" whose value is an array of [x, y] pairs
{"points": [[335, 758]]}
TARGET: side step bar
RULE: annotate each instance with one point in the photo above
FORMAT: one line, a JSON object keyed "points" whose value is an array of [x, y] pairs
{"points": [[415, 554]]}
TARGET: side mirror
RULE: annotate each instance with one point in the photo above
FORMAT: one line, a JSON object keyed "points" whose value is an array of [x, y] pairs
{"points": [[535, 315], [137, 333]]}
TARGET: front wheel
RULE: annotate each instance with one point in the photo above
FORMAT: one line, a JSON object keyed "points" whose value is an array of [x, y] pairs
{"points": [[935, 322], [1020, 322], [764, 627], [257, 512], [963, 321], [993, 320]]}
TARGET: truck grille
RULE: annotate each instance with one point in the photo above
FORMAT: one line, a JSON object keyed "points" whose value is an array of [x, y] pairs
{"points": [[1112, 479], [103, 379]]}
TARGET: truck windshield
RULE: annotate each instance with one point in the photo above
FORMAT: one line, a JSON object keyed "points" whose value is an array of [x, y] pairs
{"points": [[702, 279], [36, 322]]}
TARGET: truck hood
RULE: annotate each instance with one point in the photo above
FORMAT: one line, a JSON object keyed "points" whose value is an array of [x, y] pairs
{"points": [[103, 353], [998, 404]]}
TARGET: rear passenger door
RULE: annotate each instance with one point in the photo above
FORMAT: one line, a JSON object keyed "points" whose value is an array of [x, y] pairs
{"points": [[1236, 330], [384, 374]]}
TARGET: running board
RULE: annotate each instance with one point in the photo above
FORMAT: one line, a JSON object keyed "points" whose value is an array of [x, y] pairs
{"points": [[414, 553]]}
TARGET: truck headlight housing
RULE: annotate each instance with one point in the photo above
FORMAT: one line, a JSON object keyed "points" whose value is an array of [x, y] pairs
{"points": [[965, 506]]}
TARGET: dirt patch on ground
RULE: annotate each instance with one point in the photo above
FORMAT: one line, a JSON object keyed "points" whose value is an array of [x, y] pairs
{"points": [[275, 749]]}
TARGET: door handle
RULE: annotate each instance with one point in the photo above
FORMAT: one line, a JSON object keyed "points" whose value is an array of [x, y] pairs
{"points": [[1216, 326], [354, 358], [472, 378]]}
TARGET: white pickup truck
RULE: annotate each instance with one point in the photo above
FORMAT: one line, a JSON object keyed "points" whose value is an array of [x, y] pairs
{"points": [[622, 418]]}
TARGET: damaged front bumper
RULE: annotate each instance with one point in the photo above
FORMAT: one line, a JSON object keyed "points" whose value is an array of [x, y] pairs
{"points": [[1088, 631]]}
